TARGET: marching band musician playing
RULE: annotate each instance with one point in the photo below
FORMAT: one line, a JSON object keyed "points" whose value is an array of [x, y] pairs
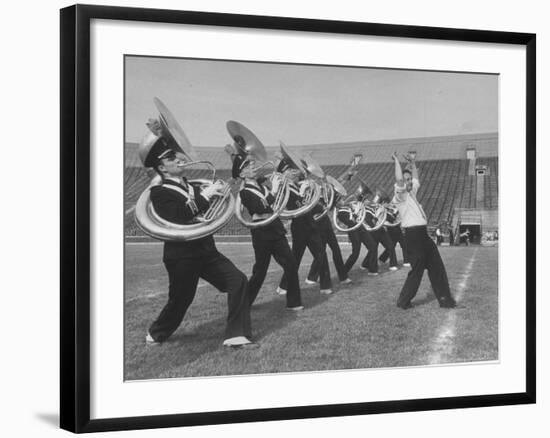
{"points": [[422, 251], [394, 232], [379, 236], [356, 237], [179, 202], [305, 233], [328, 237], [268, 240]]}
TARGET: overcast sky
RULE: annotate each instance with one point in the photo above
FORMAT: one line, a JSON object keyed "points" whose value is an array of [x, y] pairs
{"points": [[307, 104]]}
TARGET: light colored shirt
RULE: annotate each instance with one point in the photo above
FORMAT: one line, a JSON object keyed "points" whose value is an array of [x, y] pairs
{"points": [[410, 210]]}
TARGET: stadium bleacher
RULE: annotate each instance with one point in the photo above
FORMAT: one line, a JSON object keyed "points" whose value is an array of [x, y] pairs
{"points": [[442, 163]]}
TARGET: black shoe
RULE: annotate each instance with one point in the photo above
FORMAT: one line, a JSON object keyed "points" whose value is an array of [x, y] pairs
{"points": [[405, 306], [447, 303]]}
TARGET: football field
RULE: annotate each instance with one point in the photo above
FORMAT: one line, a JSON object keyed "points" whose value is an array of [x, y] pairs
{"points": [[358, 326]]}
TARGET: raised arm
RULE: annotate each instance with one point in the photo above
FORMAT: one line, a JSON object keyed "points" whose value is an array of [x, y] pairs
{"points": [[349, 172], [414, 169], [398, 171]]}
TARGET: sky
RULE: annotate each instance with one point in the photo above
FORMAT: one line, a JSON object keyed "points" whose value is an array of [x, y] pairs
{"points": [[301, 104]]}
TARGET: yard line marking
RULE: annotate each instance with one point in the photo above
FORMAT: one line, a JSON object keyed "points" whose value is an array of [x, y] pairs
{"points": [[444, 341]]}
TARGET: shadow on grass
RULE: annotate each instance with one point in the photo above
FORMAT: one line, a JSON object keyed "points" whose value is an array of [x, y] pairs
{"points": [[428, 298], [270, 316]]}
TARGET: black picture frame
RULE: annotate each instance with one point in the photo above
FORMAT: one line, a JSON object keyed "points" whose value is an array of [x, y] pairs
{"points": [[75, 216]]}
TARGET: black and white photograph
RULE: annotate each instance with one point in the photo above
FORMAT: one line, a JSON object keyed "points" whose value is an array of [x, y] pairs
{"points": [[275, 218], [300, 218]]}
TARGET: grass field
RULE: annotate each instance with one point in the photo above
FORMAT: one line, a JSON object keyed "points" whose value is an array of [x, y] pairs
{"points": [[358, 326]]}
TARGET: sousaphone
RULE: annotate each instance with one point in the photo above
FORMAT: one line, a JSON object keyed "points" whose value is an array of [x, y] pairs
{"points": [[352, 207], [248, 144], [392, 213], [376, 212], [221, 206], [327, 189], [308, 186]]}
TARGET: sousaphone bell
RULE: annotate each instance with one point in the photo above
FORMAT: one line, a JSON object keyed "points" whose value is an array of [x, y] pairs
{"points": [[249, 145]]}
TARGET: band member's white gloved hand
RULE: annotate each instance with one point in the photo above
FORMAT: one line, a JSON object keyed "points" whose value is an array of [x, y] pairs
{"points": [[212, 190], [356, 208], [230, 149], [275, 184], [303, 189], [154, 127]]}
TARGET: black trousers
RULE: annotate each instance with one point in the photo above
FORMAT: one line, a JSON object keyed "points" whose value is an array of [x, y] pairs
{"points": [[309, 237], [380, 237], [280, 250], [358, 237], [396, 236], [329, 238], [183, 276], [423, 254]]}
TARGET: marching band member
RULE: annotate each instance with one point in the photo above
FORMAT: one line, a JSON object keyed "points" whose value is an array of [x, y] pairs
{"points": [[394, 232], [305, 233], [178, 201], [356, 237], [422, 251], [269, 240], [328, 237], [379, 236]]}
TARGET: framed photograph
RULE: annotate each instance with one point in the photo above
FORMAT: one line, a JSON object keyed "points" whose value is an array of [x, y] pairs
{"points": [[249, 203]]}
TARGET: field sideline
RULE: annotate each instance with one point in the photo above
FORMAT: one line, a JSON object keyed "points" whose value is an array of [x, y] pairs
{"points": [[358, 326]]}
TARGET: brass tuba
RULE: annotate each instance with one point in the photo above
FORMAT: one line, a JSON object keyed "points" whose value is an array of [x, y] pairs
{"points": [[392, 214], [376, 212], [354, 209], [327, 189], [308, 186], [221, 206], [250, 146]]}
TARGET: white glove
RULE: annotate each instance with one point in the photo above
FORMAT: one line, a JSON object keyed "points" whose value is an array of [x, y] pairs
{"points": [[275, 184], [356, 208], [215, 189], [303, 188]]}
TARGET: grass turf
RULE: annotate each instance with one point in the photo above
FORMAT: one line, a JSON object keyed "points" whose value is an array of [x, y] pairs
{"points": [[358, 326]]}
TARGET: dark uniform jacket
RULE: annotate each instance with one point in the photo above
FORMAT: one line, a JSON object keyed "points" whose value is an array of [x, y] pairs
{"points": [[325, 223], [257, 199], [391, 213], [174, 202], [305, 222], [345, 216], [370, 218]]}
